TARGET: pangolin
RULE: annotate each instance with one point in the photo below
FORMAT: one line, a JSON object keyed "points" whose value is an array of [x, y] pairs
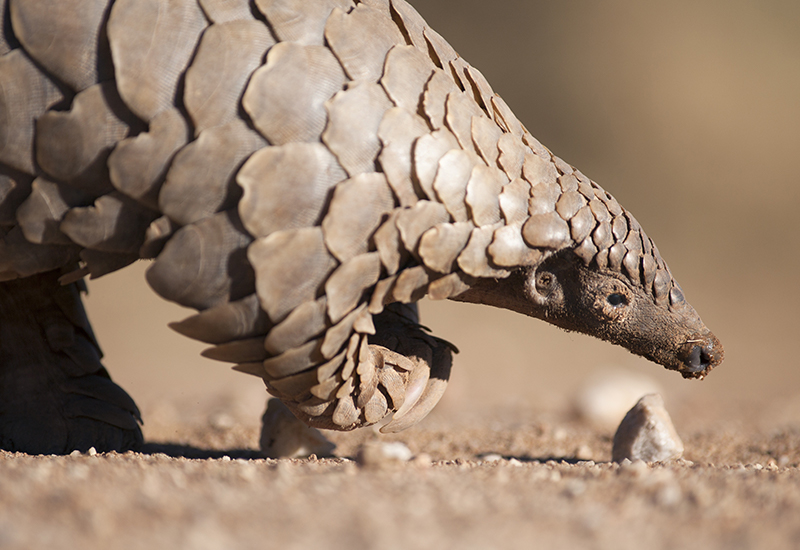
{"points": [[301, 172]]}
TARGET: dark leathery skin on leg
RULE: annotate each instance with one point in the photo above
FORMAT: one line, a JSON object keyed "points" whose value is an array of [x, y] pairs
{"points": [[55, 395]]}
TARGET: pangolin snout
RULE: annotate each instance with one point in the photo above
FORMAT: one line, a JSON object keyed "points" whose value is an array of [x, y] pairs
{"points": [[700, 355]]}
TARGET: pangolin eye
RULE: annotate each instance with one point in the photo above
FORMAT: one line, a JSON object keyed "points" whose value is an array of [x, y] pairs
{"points": [[616, 299]]}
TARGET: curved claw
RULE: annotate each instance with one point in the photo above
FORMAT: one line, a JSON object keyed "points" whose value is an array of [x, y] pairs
{"points": [[416, 386]]}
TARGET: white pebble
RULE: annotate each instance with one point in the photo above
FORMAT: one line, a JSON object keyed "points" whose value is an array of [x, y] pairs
{"points": [[491, 457], [378, 454], [646, 433], [608, 395]]}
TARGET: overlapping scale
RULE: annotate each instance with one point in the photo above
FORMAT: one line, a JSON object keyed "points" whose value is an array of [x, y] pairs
{"points": [[346, 285], [152, 43], [291, 268], [398, 133], [357, 208], [73, 146], [440, 245], [225, 322], [138, 165], [64, 37], [305, 322], [296, 174], [474, 259], [15, 187], [301, 21], [354, 116], [40, 215], [413, 25], [205, 264], [438, 87], [450, 182], [405, 74], [227, 55], [428, 151], [361, 39], [483, 193], [201, 177], [114, 223], [20, 105], [286, 97]]}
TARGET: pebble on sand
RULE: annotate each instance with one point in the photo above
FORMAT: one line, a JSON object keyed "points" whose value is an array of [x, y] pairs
{"points": [[383, 455], [646, 433], [609, 393], [284, 436]]}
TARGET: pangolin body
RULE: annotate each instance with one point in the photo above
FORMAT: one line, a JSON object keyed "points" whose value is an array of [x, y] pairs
{"points": [[302, 172]]}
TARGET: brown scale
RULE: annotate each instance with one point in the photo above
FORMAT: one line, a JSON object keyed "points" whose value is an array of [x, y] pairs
{"points": [[361, 39], [453, 174], [286, 97], [354, 115], [227, 55]]}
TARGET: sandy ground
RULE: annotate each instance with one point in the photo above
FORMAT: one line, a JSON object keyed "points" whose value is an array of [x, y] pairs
{"points": [[688, 113], [505, 478]]}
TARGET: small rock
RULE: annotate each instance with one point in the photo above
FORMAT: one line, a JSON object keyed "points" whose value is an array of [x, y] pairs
{"points": [[491, 457], [381, 455], [646, 433], [284, 436]]}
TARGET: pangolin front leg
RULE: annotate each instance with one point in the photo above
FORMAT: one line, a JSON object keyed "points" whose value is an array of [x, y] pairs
{"points": [[399, 370]]}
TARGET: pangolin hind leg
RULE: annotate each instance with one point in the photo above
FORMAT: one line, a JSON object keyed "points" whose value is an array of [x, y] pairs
{"points": [[55, 394]]}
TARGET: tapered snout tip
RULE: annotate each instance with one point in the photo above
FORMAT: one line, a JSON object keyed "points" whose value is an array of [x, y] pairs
{"points": [[700, 355]]}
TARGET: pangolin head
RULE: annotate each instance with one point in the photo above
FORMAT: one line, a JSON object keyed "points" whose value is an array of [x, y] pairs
{"points": [[606, 279], [609, 305]]}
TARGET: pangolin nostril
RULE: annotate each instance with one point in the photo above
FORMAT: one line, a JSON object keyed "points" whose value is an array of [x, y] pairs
{"points": [[698, 359]]}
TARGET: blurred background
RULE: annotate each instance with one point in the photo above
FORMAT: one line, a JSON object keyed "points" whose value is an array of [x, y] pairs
{"points": [[688, 112]]}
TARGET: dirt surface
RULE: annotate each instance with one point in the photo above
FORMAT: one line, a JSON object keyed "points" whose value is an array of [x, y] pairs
{"points": [[688, 113], [499, 479]]}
